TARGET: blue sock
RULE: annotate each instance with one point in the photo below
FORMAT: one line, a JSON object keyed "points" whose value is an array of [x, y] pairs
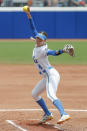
{"points": [[43, 106], [59, 106]]}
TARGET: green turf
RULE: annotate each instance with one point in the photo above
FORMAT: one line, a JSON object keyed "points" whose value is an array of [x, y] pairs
{"points": [[20, 52]]}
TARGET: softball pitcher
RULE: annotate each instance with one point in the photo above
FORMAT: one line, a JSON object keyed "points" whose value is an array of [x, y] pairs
{"points": [[50, 77]]}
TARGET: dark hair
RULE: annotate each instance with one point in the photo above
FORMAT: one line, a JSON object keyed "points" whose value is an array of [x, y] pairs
{"points": [[44, 33]]}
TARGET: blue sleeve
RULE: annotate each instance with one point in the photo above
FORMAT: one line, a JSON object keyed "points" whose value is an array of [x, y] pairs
{"points": [[33, 28], [54, 53]]}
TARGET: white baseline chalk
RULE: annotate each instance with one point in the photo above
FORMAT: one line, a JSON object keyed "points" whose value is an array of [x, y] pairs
{"points": [[55, 126], [14, 110], [15, 125]]}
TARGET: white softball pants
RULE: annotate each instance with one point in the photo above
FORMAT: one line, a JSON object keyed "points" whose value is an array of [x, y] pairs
{"points": [[48, 83]]}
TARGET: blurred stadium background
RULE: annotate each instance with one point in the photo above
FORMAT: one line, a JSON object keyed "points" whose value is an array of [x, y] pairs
{"points": [[42, 3]]}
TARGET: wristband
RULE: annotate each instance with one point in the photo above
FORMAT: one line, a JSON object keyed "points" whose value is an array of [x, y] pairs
{"points": [[60, 51]]}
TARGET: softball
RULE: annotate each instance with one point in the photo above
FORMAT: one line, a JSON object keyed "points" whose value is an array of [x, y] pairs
{"points": [[25, 9]]}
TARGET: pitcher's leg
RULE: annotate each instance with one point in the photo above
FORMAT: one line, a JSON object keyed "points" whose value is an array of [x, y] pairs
{"points": [[51, 88], [39, 88]]}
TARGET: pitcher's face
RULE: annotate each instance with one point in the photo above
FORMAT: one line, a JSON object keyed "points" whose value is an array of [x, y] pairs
{"points": [[39, 42]]}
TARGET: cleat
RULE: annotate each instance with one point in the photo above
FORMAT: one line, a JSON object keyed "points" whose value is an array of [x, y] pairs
{"points": [[63, 119], [46, 118]]}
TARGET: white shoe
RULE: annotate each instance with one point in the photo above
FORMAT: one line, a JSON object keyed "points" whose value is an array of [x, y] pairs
{"points": [[63, 119], [46, 118]]}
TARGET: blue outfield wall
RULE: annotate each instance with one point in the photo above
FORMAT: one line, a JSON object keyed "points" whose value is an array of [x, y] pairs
{"points": [[57, 24]]}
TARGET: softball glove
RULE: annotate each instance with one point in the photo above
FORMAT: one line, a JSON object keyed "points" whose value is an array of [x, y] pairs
{"points": [[69, 49]]}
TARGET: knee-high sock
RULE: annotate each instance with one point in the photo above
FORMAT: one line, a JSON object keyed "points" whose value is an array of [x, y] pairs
{"points": [[59, 106], [43, 106]]}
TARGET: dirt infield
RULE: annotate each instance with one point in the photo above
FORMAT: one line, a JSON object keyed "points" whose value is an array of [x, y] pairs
{"points": [[26, 40], [19, 112]]}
